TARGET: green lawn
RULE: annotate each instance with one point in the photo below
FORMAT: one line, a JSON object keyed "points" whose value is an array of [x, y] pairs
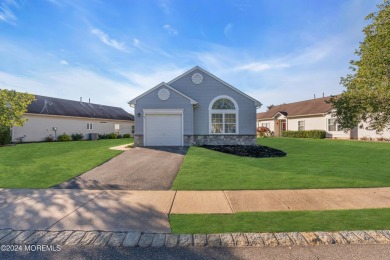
{"points": [[43, 165], [310, 163], [282, 221]]}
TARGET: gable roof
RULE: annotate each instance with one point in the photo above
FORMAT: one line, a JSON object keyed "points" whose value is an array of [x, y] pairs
{"points": [[301, 108], [62, 107], [257, 103], [134, 101]]}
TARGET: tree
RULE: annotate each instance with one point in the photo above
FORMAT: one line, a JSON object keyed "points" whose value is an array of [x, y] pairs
{"points": [[367, 95], [12, 107]]}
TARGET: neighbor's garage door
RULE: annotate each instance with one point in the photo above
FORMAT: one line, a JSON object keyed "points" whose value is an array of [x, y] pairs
{"points": [[163, 130]]}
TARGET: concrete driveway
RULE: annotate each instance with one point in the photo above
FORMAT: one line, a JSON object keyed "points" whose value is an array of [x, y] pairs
{"points": [[152, 168]]}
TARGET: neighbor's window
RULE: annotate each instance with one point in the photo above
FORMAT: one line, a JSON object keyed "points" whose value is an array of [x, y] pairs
{"points": [[223, 117], [333, 125], [89, 126], [301, 125], [266, 125], [132, 129]]}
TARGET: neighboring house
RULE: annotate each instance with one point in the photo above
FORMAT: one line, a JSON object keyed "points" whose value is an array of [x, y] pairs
{"points": [[49, 116], [195, 108], [314, 114]]}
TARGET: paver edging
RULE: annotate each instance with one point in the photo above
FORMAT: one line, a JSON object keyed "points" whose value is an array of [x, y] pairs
{"points": [[101, 238]]}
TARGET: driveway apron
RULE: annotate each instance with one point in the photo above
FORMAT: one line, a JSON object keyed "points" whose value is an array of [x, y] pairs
{"points": [[152, 168]]}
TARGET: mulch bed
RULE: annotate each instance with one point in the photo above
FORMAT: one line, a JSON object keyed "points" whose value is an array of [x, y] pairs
{"points": [[255, 151]]}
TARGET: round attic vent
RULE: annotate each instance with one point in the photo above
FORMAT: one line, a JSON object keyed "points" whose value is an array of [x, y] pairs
{"points": [[164, 94], [197, 78]]}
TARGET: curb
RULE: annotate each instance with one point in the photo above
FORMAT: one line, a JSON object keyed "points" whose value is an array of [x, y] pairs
{"points": [[139, 239]]}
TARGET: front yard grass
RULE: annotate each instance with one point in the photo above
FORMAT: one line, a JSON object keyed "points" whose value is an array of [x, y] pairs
{"points": [[43, 165], [309, 164], [281, 221]]}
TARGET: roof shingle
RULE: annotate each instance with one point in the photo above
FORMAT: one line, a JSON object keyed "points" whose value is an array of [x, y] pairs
{"points": [[307, 107], [62, 107]]}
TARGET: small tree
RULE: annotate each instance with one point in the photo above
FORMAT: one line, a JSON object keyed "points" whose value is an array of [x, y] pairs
{"points": [[367, 95], [12, 107]]}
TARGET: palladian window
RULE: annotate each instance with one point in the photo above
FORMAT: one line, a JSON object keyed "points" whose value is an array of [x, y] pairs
{"points": [[223, 117]]}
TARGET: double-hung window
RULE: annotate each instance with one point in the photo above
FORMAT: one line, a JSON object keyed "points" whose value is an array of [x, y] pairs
{"points": [[89, 126], [301, 125], [333, 125], [223, 117]]}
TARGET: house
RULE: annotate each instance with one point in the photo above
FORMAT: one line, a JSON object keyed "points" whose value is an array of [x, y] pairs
{"points": [[196, 108], [48, 116], [314, 114]]}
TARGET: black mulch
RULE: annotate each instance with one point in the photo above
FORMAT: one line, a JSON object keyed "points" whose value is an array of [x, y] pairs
{"points": [[256, 151]]}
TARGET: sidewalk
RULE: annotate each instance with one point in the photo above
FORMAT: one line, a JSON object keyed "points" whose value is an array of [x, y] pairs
{"points": [[148, 211]]}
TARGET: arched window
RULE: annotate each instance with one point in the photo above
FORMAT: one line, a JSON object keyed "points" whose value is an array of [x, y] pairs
{"points": [[223, 112]]}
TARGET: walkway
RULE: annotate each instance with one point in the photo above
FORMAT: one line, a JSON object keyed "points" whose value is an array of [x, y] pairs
{"points": [[147, 211]]}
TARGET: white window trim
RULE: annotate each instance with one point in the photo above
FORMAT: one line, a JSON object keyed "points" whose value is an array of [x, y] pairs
{"points": [[223, 111], [163, 112], [89, 126]]}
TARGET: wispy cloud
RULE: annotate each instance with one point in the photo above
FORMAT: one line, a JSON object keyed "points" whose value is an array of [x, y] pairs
{"points": [[228, 30], [258, 66], [103, 37], [64, 62], [6, 13], [170, 29], [165, 6]]}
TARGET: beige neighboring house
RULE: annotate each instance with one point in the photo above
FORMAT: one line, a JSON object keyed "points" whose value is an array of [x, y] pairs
{"points": [[311, 114], [48, 116]]}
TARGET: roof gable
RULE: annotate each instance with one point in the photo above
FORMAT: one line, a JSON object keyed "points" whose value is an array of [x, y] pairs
{"points": [[134, 101], [301, 108], [257, 103], [61, 107]]}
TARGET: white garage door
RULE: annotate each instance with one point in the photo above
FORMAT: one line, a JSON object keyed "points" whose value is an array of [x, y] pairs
{"points": [[163, 130]]}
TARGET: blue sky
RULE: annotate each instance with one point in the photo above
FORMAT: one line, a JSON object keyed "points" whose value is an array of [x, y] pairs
{"points": [[112, 51]]}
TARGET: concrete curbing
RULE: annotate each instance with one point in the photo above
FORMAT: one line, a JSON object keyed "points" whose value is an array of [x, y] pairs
{"points": [[138, 239]]}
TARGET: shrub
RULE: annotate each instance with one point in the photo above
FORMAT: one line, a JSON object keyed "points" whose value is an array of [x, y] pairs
{"points": [[112, 136], [5, 135], [76, 137], [263, 131], [102, 136], [119, 136], [126, 136], [49, 138], [315, 134], [64, 138]]}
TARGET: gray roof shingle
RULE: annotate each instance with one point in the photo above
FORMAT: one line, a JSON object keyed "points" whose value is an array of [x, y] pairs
{"points": [[62, 107]]}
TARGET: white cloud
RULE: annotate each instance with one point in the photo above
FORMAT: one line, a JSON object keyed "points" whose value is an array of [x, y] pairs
{"points": [[64, 62], [6, 13], [258, 66], [108, 41], [170, 29]]}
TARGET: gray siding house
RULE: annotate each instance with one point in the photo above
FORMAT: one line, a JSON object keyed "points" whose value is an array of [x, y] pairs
{"points": [[195, 108]]}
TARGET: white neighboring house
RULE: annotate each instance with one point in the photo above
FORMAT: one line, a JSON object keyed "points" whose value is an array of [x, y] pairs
{"points": [[48, 116], [311, 114]]}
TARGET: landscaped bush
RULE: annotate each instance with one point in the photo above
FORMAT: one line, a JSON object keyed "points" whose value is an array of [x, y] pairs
{"points": [[315, 134], [5, 135], [64, 138], [112, 136], [263, 131], [126, 136], [119, 136], [49, 138], [102, 136], [77, 137]]}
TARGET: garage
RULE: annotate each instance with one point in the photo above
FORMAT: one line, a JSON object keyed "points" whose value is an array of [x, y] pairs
{"points": [[163, 130]]}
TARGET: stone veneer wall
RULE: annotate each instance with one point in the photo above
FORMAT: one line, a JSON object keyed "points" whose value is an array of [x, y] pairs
{"points": [[138, 140], [219, 140], [190, 140]]}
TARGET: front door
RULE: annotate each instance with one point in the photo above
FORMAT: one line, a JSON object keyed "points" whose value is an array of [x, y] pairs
{"points": [[283, 126]]}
